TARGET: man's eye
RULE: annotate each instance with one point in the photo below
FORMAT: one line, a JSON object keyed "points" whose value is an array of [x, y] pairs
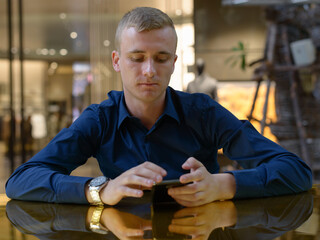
{"points": [[136, 59], [162, 59]]}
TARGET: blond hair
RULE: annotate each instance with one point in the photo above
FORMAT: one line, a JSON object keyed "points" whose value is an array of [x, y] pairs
{"points": [[143, 19]]}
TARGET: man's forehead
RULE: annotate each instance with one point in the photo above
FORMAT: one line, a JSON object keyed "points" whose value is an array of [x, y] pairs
{"points": [[138, 42]]}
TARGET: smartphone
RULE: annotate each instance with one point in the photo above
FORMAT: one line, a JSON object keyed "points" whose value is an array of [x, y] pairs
{"points": [[160, 191], [162, 216]]}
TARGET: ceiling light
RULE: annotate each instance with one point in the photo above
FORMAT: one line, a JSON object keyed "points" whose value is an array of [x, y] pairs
{"points": [[106, 43], [63, 52], [62, 16], [44, 51], [73, 35], [52, 52], [54, 65], [14, 50]]}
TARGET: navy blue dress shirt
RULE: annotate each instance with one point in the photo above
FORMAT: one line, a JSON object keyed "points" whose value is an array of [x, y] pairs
{"points": [[191, 125]]}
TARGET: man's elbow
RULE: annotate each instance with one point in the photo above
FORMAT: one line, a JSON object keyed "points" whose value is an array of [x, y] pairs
{"points": [[309, 181], [10, 189], [14, 189], [305, 182]]}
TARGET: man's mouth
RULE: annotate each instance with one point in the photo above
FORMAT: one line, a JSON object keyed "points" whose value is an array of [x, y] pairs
{"points": [[148, 84]]}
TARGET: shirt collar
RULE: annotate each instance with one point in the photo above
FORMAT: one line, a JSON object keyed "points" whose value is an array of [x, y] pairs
{"points": [[169, 110], [123, 111]]}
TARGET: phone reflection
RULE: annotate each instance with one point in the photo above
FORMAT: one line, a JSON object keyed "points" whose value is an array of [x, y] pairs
{"points": [[265, 218]]}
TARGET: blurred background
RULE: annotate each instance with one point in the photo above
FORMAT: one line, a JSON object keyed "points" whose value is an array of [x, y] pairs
{"points": [[55, 60]]}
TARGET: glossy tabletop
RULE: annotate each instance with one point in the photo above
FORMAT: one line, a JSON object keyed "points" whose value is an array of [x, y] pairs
{"points": [[287, 217]]}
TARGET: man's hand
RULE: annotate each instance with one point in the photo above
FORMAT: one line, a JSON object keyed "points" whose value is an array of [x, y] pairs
{"points": [[132, 183], [204, 187], [124, 225], [199, 222]]}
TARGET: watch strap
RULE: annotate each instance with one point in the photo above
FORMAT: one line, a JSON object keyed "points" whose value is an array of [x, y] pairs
{"points": [[95, 221], [94, 193]]}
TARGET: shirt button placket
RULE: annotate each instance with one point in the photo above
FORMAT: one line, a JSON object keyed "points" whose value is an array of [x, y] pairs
{"points": [[147, 147]]}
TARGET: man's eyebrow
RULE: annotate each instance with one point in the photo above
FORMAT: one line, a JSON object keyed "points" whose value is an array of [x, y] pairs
{"points": [[165, 52], [136, 51], [140, 51]]}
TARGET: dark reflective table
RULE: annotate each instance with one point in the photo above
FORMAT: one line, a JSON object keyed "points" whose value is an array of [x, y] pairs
{"points": [[287, 217]]}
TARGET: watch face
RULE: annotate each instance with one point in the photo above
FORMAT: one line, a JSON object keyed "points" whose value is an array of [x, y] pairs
{"points": [[98, 181]]}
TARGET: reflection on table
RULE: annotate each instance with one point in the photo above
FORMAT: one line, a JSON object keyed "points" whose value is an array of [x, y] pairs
{"points": [[266, 218]]}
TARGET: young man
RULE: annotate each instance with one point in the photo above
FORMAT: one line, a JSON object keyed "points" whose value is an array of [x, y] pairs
{"points": [[149, 132]]}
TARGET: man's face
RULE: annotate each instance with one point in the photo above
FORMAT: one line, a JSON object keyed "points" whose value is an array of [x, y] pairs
{"points": [[145, 61]]}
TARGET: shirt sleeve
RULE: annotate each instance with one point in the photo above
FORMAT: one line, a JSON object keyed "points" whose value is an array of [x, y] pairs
{"points": [[44, 219], [46, 177], [269, 169], [279, 213]]}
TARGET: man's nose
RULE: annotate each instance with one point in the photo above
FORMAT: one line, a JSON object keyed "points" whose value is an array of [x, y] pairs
{"points": [[149, 68]]}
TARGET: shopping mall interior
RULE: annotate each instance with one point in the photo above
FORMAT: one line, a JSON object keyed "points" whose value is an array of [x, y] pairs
{"points": [[55, 60]]}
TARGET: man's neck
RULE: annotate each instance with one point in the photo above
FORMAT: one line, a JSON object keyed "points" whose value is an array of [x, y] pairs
{"points": [[148, 113]]}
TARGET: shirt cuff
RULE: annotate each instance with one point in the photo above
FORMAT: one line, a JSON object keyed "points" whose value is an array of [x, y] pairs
{"points": [[248, 183], [71, 189]]}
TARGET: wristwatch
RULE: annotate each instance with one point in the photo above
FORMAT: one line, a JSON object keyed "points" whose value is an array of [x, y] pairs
{"points": [[95, 221], [95, 186]]}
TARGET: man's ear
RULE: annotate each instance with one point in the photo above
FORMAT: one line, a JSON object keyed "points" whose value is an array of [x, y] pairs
{"points": [[116, 61], [174, 63]]}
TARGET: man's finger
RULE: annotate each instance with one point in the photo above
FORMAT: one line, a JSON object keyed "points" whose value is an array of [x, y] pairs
{"points": [[130, 192], [148, 170], [138, 181], [195, 176], [154, 168], [199, 196], [191, 163]]}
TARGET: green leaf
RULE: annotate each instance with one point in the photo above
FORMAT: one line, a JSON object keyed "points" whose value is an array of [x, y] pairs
{"points": [[233, 64], [243, 62], [241, 46], [239, 56]]}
